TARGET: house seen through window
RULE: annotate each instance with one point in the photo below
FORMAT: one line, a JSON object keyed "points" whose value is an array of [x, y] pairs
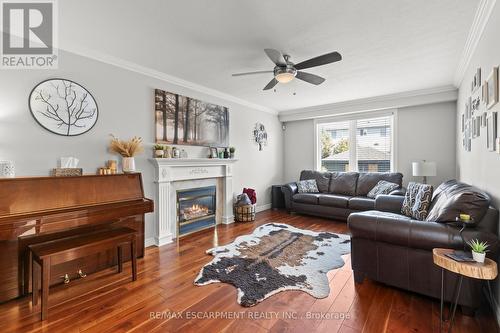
{"points": [[363, 145]]}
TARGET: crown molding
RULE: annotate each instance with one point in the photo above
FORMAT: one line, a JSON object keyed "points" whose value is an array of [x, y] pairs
{"points": [[481, 18], [392, 101], [134, 67]]}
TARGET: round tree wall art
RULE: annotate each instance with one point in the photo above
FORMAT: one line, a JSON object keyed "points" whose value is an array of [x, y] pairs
{"points": [[63, 107]]}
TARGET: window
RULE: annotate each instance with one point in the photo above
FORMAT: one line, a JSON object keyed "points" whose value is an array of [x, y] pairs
{"points": [[363, 145]]}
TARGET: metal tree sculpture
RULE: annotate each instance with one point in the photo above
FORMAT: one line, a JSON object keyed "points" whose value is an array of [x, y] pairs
{"points": [[63, 107], [260, 135]]}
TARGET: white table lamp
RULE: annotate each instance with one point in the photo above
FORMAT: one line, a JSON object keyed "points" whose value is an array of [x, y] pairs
{"points": [[424, 169]]}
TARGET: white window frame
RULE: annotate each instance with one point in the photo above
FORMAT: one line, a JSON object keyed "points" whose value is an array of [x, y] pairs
{"points": [[352, 135]]}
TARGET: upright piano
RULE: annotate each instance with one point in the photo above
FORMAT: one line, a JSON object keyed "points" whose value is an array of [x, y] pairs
{"points": [[39, 209]]}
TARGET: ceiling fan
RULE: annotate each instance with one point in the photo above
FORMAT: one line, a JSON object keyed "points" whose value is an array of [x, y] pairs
{"points": [[285, 70]]}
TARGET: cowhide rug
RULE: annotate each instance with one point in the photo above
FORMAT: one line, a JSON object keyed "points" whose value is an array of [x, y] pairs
{"points": [[276, 257]]}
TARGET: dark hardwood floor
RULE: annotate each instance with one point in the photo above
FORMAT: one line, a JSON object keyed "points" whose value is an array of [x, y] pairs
{"points": [[109, 302]]}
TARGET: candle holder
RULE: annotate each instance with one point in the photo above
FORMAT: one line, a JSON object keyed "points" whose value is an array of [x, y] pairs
{"points": [[463, 224]]}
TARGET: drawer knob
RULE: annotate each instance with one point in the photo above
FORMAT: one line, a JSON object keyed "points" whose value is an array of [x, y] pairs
{"points": [[66, 278], [81, 273]]}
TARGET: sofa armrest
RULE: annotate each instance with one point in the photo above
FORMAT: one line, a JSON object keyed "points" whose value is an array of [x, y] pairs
{"points": [[400, 191], [389, 203], [288, 191], [400, 230]]}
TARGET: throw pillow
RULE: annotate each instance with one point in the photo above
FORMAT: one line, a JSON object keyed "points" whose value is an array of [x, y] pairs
{"points": [[243, 200], [382, 187], [307, 186], [422, 202], [417, 200], [251, 194]]}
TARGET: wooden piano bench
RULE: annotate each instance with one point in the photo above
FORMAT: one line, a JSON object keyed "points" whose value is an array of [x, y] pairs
{"points": [[45, 255]]}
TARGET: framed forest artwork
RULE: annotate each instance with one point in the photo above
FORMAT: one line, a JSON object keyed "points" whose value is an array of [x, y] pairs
{"points": [[187, 121]]}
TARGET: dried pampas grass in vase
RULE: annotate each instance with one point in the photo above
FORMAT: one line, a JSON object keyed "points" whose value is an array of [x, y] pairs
{"points": [[127, 150]]}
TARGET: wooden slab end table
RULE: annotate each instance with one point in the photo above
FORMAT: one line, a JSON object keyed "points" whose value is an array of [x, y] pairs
{"points": [[482, 271]]}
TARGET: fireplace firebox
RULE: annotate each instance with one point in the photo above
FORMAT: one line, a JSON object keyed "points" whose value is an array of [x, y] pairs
{"points": [[195, 209]]}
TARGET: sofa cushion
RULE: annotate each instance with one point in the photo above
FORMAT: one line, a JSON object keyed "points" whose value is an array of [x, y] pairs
{"points": [[382, 187], [307, 198], [361, 203], [322, 179], [343, 183], [453, 197], [333, 200], [307, 186], [417, 200], [368, 180]]}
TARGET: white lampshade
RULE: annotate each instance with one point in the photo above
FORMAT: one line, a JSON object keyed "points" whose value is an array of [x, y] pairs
{"points": [[424, 169]]}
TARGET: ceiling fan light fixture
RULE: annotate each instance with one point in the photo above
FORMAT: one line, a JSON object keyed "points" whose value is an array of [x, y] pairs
{"points": [[285, 77]]}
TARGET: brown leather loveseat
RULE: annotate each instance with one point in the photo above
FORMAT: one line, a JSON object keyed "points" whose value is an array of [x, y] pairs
{"points": [[396, 250]]}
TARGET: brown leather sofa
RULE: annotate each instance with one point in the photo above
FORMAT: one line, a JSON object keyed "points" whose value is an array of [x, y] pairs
{"points": [[340, 193], [397, 250]]}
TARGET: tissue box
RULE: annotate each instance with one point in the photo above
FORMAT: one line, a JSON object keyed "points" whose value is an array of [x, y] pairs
{"points": [[67, 172]]}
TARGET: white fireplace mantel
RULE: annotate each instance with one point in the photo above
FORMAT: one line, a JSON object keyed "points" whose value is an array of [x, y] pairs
{"points": [[171, 170]]}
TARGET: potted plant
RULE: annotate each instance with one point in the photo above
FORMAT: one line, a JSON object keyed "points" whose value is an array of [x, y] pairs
{"points": [[127, 150], [159, 150], [479, 249], [231, 152]]}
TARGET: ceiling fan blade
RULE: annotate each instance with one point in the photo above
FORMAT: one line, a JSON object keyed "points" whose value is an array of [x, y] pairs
{"points": [[251, 73], [319, 61], [275, 57], [271, 84], [311, 78]]}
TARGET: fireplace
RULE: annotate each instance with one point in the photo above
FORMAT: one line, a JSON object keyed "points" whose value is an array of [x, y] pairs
{"points": [[195, 209]]}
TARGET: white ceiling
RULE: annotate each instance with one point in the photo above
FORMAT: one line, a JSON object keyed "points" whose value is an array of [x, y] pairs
{"points": [[388, 46]]}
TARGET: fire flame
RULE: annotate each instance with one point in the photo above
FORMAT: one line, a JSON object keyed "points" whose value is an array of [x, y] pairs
{"points": [[194, 211]]}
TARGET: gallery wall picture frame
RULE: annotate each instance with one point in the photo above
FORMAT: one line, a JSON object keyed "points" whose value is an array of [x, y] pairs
{"points": [[492, 88], [484, 93], [467, 137], [484, 117], [476, 127], [491, 131], [476, 81], [63, 107], [475, 104]]}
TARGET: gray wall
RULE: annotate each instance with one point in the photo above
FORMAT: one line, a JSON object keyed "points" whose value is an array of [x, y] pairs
{"points": [[427, 132], [479, 166], [424, 132], [125, 102]]}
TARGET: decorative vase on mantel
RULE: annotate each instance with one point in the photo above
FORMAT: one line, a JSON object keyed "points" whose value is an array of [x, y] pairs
{"points": [[128, 164], [127, 149]]}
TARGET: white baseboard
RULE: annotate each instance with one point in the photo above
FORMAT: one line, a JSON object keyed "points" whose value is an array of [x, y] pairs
{"points": [[262, 208]]}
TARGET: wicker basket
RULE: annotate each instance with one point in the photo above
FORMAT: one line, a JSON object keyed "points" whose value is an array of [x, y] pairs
{"points": [[244, 213]]}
